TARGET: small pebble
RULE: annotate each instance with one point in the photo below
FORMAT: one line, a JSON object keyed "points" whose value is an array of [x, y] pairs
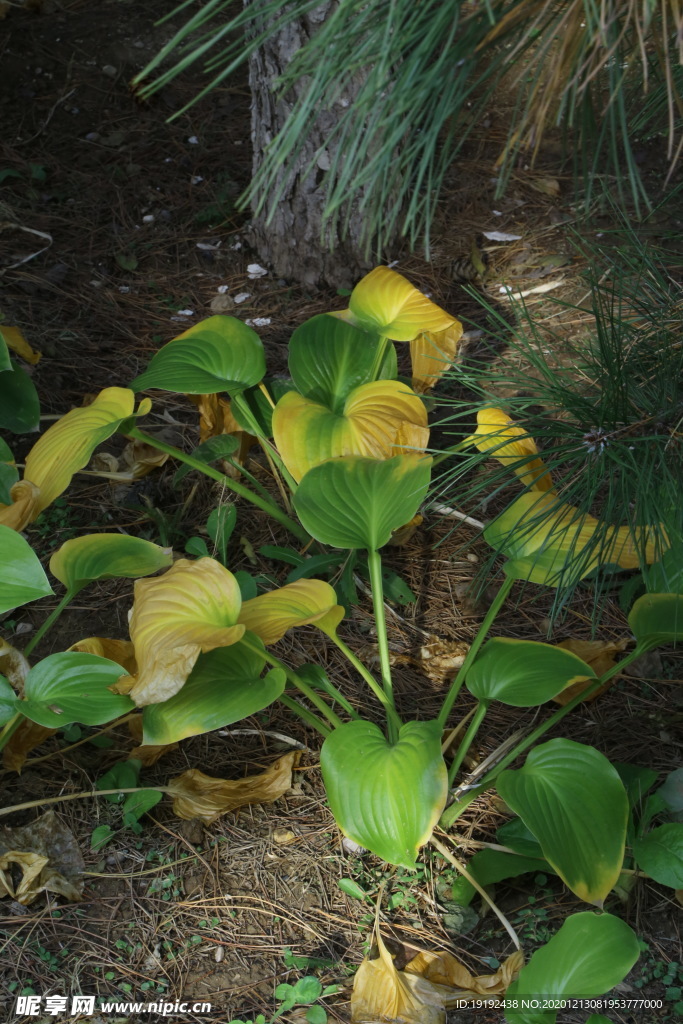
{"points": [[219, 954], [242, 297], [148, 218], [110, 71], [471, 557], [193, 140]]}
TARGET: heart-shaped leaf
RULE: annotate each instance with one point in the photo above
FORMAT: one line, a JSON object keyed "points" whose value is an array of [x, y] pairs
{"points": [[386, 302], [660, 854], [523, 673], [329, 358], [378, 420], [73, 687], [386, 797], [657, 619], [22, 578], [218, 354], [588, 956], [103, 556], [224, 686], [574, 802], [355, 502], [19, 404]]}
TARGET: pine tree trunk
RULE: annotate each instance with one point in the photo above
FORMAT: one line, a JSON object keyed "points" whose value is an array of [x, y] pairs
{"points": [[292, 242]]}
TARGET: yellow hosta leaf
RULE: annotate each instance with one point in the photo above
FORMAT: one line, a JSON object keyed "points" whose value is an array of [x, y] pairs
{"points": [[600, 656], [24, 508], [192, 608], [23, 740], [456, 982], [215, 417], [147, 753], [67, 446], [196, 795], [432, 354], [511, 445], [383, 993], [385, 302], [544, 522], [297, 604], [120, 651], [379, 420], [15, 340]]}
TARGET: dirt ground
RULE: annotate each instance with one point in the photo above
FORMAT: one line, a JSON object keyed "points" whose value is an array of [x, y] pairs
{"points": [[137, 223]]}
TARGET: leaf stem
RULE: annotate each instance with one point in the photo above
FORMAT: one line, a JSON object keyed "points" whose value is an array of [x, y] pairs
{"points": [[456, 685], [266, 506], [467, 739], [306, 716], [453, 812], [375, 568], [299, 683], [368, 677], [79, 796], [49, 621]]}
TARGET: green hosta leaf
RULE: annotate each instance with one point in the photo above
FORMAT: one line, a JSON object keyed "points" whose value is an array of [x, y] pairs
{"points": [[252, 410], [104, 556], [637, 781], [19, 405], [386, 797], [224, 686], [355, 502], [588, 956], [73, 687], [660, 854], [219, 526], [666, 575], [222, 446], [137, 804], [218, 354], [523, 673], [22, 578], [574, 802], [657, 619], [490, 866], [517, 836], [329, 357], [9, 474], [5, 361], [8, 701], [123, 775], [671, 791]]}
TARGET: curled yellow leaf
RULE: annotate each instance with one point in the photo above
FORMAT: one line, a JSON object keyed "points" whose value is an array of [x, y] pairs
{"points": [[431, 354], [296, 604], [192, 608], [388, 304], [13, 666], [215, 417], [379, 420], [24, 508], [196, 795], [455, 981], [511, 445], [67, 446]]}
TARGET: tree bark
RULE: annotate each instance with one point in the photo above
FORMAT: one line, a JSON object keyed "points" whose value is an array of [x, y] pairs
{"points": [[292, 243]]}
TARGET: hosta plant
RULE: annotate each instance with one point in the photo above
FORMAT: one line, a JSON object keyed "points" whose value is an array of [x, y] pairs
{"points": [[347, 440]]}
